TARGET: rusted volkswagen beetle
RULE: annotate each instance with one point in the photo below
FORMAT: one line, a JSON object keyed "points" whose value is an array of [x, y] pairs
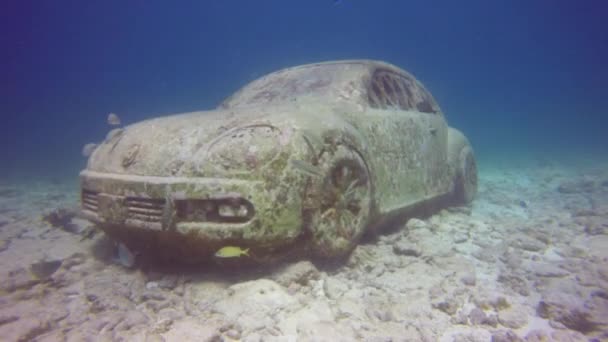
{"points": [[305, 159]]}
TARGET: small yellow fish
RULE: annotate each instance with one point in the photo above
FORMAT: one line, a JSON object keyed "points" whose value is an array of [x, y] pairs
{"points": [[231, 252]]}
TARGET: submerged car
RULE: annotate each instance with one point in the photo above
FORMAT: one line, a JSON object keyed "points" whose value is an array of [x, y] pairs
{"points": [[306, 159]]}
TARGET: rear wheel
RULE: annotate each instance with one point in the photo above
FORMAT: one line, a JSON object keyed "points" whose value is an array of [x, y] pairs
{"points": [[339, 205], [466, 177]]}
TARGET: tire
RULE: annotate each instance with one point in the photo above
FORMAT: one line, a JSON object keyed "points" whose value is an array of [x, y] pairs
{"points": [[466, 177], [339, 206]]}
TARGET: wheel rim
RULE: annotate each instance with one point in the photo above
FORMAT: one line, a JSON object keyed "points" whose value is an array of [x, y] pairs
{"points": [[342, 205]]}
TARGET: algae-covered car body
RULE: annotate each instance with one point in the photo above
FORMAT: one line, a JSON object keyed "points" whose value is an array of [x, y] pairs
{"points": [[304, 159]]}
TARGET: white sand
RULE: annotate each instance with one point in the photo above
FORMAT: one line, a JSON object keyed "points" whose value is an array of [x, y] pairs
{"points": [[530, 261]]}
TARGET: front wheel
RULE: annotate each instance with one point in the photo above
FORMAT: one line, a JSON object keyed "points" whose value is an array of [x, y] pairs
{"points": [[340, 207]]}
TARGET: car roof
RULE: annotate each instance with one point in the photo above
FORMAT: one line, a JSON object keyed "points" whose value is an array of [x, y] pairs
{"points": [[362, 81]]}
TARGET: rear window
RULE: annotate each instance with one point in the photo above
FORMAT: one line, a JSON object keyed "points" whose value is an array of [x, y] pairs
{"points": [[388, 89]]}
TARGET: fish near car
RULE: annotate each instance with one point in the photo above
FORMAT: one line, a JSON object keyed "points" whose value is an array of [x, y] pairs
{"points": [[88, 149], [113, 119], [125, 256], [44, 269], [231, 252]]}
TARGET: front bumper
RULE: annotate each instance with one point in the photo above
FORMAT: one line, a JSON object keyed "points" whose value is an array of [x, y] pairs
{"points": [[212, 209]]}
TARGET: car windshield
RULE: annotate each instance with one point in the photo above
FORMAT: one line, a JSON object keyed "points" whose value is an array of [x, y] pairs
{"points": [[288, 84]]}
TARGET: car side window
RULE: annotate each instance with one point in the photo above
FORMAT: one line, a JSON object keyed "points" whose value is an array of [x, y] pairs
{"points": [[388, 89]]}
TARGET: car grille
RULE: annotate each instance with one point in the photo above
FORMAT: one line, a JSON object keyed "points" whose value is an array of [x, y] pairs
{"points": [[137, 208], [145, 209], [89, 200]]}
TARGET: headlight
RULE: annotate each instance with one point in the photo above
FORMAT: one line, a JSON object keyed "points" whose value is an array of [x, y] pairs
{"points": [[233, 210]]}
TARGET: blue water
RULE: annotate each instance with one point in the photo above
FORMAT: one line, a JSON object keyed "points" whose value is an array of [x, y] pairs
{"points": [[519, 77]]}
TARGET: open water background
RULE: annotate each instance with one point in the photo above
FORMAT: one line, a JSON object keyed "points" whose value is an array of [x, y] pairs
{"points": [[522, 79]]}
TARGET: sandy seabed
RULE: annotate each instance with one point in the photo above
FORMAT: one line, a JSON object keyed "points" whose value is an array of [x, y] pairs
{"points": [[527, 262]]}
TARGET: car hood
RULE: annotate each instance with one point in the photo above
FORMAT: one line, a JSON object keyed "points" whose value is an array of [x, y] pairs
{"points": [[218, 143]]}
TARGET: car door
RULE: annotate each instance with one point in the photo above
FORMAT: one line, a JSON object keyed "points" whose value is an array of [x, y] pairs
{"points": [[408, 136]]}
